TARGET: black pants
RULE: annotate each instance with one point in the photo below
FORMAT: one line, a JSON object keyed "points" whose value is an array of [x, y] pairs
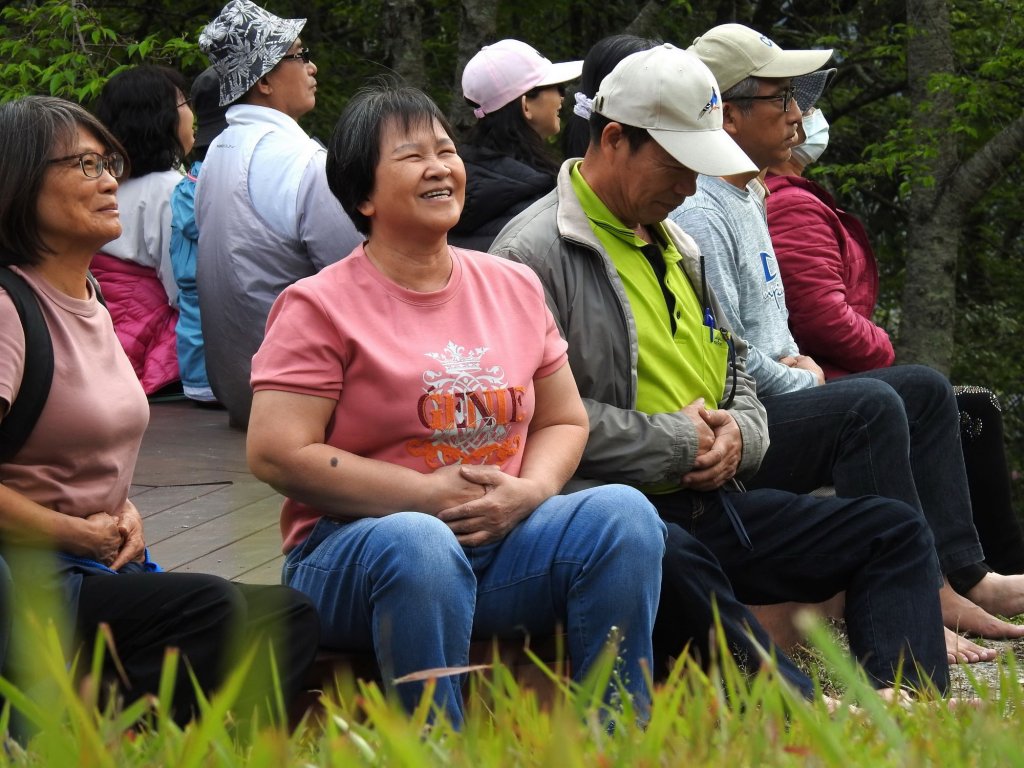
{"points": [[213, 622], [878, 550], [981, 437], [693, 586]]}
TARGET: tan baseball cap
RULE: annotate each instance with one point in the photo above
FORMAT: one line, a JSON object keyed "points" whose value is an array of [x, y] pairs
{"points": [[734, 52], [674, 96]]}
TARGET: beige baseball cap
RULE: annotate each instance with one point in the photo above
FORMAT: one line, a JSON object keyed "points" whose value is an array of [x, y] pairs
{"points": [[673, 95], [734, 52]]}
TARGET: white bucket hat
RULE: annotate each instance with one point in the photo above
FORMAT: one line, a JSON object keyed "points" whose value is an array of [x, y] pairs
{"points": [[245, 42]]}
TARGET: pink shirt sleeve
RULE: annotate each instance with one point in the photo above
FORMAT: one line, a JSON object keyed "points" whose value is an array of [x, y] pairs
{"points": [[12, 350]]}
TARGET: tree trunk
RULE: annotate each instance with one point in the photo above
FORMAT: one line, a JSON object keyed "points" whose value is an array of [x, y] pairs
{"points": [[402, 28], [929, 293], [476, 29], [645, 23], [943, 193]]}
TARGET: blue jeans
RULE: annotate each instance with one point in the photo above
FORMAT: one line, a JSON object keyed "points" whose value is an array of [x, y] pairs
{"points": [[806, 549], [892, 432], [404, 587]]}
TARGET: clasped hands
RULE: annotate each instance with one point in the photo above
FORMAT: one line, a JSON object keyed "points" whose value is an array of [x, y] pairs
{"points": [[480, 503], [113, 539], [805, 362], [719, 447]]}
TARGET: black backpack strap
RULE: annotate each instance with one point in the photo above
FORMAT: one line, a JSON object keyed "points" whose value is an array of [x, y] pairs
{"points": [[24, 412], [96, 288]]}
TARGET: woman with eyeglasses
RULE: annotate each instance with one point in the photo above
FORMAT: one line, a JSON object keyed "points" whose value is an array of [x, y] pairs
{"points": [[69, 529], [146, 109], [516, 95]]}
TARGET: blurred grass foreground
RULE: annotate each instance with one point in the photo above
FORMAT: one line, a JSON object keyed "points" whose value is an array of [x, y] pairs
{"points": [[721, 718]]}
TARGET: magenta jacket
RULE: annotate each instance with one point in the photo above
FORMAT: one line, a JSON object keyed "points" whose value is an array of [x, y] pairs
{"points": [[143, 320], [830, 275]]}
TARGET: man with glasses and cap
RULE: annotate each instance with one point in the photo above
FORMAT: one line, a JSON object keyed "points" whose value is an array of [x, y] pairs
{"points": [[893, 432], [672, 409], [266, 217]]}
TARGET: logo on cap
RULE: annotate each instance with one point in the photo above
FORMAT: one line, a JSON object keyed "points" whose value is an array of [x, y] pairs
{"points": [[766, 41], [711, 106]]}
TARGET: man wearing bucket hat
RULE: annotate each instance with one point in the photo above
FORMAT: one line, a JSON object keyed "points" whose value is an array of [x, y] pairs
{"points": [[671, 407], [266, 217], [893, 432]]}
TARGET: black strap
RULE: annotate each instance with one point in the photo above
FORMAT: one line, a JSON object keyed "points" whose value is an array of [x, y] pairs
{"points": [[21, 418]]}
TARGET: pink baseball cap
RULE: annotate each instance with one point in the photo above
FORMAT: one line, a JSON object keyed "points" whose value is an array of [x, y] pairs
{"points": [[508, 69]]}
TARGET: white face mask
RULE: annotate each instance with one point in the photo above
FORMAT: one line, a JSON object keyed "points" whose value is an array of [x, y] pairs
{"points": [[816, 129]]}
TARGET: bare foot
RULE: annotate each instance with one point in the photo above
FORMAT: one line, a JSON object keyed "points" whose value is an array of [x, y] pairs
{"points": [[779, 619], [905, 701], [960, 650], [1003, 595], [962, 615]]}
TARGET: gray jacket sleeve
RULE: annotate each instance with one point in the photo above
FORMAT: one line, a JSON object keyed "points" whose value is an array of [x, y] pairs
{"points": [[745, 406], [717, 239], [625, 445]]}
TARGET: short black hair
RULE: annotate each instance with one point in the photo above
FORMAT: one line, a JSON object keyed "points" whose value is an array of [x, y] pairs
{"points": [[353, 151], [34, 129], [636, 137], [140, 106], [597, 64]]}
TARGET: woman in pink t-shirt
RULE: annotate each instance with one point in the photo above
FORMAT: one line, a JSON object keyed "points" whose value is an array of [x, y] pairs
{"points": [[64, 486], [414, 403]]}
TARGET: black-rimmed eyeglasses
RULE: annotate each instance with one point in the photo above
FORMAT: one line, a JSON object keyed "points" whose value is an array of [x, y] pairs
{"points": [[786, 97], [93, 163], [303, 54]]}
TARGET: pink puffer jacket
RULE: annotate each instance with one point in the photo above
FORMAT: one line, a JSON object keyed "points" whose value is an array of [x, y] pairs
{"points": [[143, 320]]}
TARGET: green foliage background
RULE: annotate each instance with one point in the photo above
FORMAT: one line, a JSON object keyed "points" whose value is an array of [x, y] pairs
{"points": [[69, 49]]}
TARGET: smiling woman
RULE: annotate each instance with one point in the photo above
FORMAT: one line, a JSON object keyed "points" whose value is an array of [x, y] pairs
{"points": [[66, 487], [414, 403]]}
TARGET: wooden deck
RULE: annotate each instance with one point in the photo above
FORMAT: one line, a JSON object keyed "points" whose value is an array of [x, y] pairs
{"points": [[204, 512]]}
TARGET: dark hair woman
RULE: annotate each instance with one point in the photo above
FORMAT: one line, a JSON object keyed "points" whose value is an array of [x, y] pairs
{"points": [[66, 488], [146, 109], [414, 403], [516, 94], [597, 64]]}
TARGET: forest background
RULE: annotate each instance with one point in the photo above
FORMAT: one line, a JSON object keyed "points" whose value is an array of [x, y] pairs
{"points": [[927, 114]]}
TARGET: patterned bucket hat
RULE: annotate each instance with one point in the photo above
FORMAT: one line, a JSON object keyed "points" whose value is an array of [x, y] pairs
{"points": [[244, 43]]}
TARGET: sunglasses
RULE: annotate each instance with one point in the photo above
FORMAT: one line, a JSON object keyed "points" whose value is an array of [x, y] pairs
{"points": [[304, 55]]}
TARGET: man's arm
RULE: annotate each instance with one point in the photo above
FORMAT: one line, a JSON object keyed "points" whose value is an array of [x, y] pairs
{"points": [[727, 276], [745, 407]]}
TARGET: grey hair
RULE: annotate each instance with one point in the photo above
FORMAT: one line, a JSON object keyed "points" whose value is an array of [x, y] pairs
{"points": [[748, 86]]}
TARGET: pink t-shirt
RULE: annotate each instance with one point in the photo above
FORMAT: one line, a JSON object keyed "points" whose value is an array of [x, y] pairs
{"points": [[422, 380], [80, 457]]}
